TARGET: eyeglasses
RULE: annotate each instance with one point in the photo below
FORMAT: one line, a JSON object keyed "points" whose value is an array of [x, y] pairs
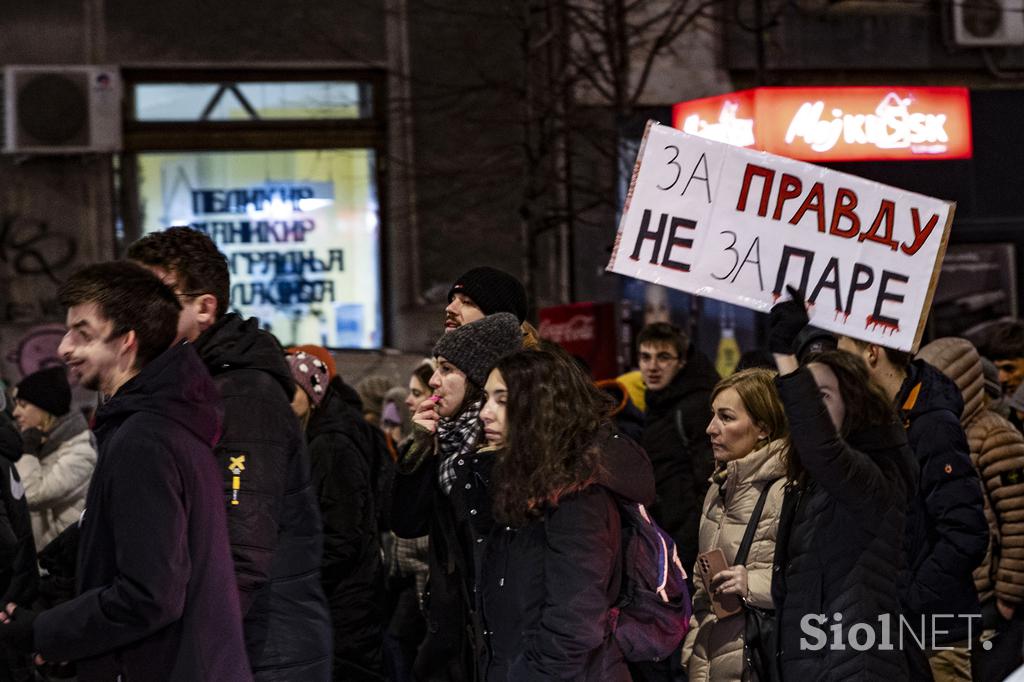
{"points": [[660, 358]]}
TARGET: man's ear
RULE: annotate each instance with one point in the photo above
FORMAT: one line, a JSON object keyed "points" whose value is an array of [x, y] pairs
{"points": [[873, 355], [206, 310], [128, 345]]}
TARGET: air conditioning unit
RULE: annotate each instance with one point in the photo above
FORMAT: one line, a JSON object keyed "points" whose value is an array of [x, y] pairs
{"points": [[61, 109], [982, 23]]}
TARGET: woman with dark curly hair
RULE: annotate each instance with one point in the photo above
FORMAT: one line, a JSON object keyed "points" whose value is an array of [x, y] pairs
{"points": [[839, 551], [552, 567]]}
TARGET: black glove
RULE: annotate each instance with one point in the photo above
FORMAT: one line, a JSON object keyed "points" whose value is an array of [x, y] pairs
{"points": [[17, 632], [785, 321], [32, 441]]}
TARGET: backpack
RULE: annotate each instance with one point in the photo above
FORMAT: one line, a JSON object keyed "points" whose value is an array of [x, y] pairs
{"points": [[652, 613]]}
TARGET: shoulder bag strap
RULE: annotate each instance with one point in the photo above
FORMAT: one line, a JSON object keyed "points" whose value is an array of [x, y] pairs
{"points": [[755, 518]]}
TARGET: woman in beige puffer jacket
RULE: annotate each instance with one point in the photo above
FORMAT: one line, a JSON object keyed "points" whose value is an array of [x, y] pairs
{"points": [[749, 459], [997, 452], [59, 453]]}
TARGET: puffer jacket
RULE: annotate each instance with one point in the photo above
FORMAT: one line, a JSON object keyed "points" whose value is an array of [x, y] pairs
{"points": [[715, 648], [946, 532], [997, 452], [273, 514], [840, 543], [547, 587], [57, 481]]}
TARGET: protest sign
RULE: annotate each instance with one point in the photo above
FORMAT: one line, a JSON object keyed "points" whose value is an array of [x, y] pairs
{"points": [[739, 225]]}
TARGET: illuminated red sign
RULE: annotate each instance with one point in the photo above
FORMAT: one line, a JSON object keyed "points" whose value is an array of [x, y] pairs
{"points": [[837, 123]]}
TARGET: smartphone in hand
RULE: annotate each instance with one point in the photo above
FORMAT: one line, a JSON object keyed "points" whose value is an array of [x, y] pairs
{"points": [[708, 566]]}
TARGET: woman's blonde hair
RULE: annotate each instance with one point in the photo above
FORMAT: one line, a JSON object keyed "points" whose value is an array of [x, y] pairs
{"points": [[756, 388]]}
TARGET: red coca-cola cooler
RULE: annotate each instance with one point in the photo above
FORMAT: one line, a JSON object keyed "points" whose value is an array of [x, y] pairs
{"points": [[586, 330]]}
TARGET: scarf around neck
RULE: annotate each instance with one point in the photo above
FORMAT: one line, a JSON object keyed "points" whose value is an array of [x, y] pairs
{"points": [[456, 437]]}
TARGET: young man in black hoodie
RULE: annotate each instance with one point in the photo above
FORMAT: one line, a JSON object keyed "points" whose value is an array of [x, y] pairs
{"points": [[155, 598], [273, 515], [946, 532], [678, 380]]}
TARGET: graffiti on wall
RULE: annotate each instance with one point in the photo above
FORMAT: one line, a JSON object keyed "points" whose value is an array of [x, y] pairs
{"points": [[32, 254], [36, 349]]}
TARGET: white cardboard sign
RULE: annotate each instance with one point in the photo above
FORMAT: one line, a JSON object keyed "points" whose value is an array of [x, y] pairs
{"points": [[739, 225]]}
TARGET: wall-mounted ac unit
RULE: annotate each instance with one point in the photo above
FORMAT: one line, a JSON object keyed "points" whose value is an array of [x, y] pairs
{"points": [[981, 23], [61, 109]]}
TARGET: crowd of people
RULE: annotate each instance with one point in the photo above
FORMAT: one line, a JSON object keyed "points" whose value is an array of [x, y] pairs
{"points": [[236, 510]]}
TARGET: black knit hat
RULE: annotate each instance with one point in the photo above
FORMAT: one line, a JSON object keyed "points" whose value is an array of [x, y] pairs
{"points": [[493, 291], [48, 390], [475, 348]]}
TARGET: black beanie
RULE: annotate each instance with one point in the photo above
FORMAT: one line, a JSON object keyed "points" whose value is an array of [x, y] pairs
{"points": [[48, 390], [475, 348], [493, 291]]}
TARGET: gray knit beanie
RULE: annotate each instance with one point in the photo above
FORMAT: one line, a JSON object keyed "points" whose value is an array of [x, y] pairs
{"points": [[475, 348]]}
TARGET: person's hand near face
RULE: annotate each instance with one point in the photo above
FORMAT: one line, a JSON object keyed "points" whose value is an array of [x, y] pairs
{"points": [[449, 384]]}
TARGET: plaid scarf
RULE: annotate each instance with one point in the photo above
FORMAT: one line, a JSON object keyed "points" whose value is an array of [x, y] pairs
{"points": [[456, 437]]}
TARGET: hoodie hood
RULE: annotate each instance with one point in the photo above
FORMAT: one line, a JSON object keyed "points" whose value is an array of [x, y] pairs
{"points": [[233, 343], [699, 374], [339, 409], [936, 392], [175, 385], [959, 360], [626, 470]]}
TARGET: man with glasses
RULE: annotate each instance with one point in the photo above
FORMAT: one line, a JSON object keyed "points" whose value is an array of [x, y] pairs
{"points": [[678, 380]]}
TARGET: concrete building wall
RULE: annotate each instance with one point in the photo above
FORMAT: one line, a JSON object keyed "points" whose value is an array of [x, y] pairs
{"points": [[454, 166]]}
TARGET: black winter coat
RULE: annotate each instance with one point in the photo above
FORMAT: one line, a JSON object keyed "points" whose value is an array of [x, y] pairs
{"points": [[681, 470], [839, 547], [273, 516], [19, 575], [457, 524], [10, 439], [343, 448], [156, 591], [547, 588], [947, 534]]}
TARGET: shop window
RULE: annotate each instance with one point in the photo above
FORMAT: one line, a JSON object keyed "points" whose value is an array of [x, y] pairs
{"points": [[281, 170]]}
